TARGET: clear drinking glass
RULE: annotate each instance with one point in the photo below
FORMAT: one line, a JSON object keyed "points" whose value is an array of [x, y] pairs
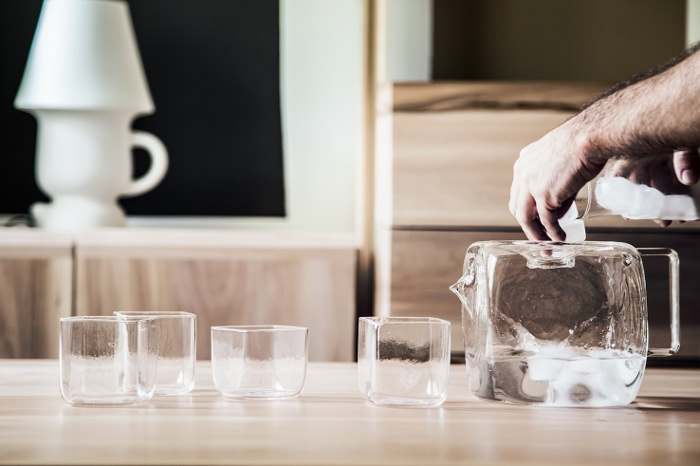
{"points": [[107, 360], [259, 361], [177, 349], [404, 360]]}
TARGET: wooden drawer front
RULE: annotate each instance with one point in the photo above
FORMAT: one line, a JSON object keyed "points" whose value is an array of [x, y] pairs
{"points": [[34, 294], [425, 263], [455, 168], [313, 289], [36, 273]]}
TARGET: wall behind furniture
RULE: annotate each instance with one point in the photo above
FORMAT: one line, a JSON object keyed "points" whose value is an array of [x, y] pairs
{"points": [[410, 31], [576, 40]]}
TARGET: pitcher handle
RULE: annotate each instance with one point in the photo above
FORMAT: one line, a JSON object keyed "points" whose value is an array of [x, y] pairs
{"points": [[673, 296], [159, 163]]}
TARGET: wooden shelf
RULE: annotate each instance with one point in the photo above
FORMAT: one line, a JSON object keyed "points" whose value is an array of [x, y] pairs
{"points": [[444, 96]]}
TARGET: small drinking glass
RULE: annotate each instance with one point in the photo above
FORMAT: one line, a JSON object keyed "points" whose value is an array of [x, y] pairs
{"points": [[107, 360], [404, 360], [177, 349], [259, 361]]}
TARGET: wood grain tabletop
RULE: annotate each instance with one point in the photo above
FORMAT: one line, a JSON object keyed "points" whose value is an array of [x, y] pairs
{"points": [[330, 423]]}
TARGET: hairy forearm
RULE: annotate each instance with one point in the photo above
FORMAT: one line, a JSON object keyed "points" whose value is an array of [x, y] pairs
{"points": [[657, 114]]}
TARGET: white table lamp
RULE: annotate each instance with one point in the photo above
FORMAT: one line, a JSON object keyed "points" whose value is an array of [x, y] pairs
{"points": [[84, 82]]}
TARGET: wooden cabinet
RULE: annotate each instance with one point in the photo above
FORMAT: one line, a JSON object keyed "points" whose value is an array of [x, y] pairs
{"points": [[225, 277], [36, 272], [454, 146]]}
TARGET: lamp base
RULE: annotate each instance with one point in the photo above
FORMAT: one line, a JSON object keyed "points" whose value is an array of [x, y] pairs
{"points": [[73, 214]]}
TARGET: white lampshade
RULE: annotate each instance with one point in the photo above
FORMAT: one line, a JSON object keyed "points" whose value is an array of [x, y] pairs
{"points": [[84, 56]]}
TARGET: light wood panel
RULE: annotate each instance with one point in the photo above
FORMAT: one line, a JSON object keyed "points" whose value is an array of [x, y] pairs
{"points": [[226, 278], [331, 424], [426, 263], [455, 168], [455, 95], [35, 291]]}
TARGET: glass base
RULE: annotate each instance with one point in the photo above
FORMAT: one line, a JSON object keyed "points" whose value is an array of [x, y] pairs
{"points": [[106, 401], [263, 394], [406, 402]]}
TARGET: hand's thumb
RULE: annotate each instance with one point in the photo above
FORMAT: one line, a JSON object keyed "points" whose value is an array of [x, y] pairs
{"points": [[686, 164]]}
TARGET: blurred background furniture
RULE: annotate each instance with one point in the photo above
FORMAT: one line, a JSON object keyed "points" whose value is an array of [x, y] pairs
{"points": [[224, 277]]}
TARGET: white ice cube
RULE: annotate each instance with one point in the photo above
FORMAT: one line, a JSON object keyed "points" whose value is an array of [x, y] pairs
{"points": [[630, 200], [679, 207], [614, 194], [573, 226], [648, 203], [545, 369]]}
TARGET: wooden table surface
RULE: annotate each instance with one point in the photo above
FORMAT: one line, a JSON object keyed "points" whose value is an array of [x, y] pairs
{"points": [[331, 424]]}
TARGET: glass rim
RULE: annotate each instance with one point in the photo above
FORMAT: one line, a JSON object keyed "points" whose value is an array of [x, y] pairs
{"points": [[108, 318], [154, 314], [258, 328], [404, 320]]}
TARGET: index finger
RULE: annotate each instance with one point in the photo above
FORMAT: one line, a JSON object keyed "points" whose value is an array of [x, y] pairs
{"points": [[528, 218]]}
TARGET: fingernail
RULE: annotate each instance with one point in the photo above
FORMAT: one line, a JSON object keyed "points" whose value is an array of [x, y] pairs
{"points": [[687, 177]]}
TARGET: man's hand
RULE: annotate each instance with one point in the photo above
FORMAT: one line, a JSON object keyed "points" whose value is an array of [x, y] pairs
{"points": [[668, 173], [547, 177], [655, 113]]}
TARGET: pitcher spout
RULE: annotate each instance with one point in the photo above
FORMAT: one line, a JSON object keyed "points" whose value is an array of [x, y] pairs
{"points": [[461, 288]]}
